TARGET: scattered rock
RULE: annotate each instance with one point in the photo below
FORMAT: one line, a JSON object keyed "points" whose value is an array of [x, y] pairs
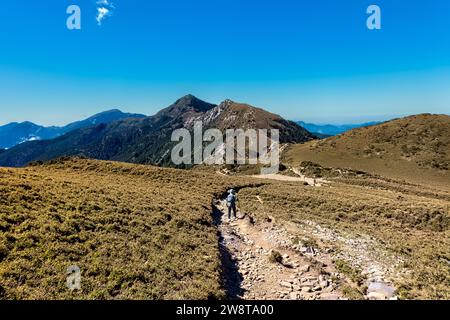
{"points": [[317, 288], [293, 296], [308, 284], [304, 268]]}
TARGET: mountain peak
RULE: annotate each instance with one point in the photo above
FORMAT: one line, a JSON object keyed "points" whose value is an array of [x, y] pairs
{"points": [[189, 96], [115, 110], [186, 104], [190, 100]]}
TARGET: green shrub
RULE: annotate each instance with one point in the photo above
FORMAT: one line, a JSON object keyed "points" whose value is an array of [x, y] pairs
{"points": [[275, 257]]}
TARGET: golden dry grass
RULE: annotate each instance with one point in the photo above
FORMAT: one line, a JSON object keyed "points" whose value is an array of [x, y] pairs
{"points": [[136, 232], [142, 232], [411, 221]]}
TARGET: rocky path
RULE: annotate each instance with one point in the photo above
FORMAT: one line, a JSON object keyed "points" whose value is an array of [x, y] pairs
{"points": [[380, 268], [293, 272]]}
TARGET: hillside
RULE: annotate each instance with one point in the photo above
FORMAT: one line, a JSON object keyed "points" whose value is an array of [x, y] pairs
{"points": [[135, 231], [415, 148], [142, 232], [15, 133], [233, 115], [368, 227], [148, 140]]}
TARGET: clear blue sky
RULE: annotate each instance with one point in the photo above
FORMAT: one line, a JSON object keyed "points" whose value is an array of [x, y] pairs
{"points": [[308, 60]]}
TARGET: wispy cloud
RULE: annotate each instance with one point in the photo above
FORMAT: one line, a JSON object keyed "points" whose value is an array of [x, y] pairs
{"points": [[104, 9]]}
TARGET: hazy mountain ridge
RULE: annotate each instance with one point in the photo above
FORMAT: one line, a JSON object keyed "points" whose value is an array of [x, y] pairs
{"points": [[15, 133], [148, 140], [325, 130]]}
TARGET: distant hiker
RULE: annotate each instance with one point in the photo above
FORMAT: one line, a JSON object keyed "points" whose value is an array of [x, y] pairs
{"points": [[231, 203]]}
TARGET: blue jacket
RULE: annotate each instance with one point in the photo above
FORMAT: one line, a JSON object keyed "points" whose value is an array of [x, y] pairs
{"points": [[231, 199]]}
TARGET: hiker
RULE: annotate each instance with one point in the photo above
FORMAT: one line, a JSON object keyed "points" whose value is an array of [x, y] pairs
{"points": [[231, 203]]}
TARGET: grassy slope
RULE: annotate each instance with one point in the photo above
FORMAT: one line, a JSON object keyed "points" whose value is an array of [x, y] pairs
{"points": [[142, 232], [410, 215], [135, 231], [411, 222], [415, 148]]}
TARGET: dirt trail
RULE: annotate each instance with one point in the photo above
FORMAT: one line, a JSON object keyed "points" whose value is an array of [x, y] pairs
{"points": [[280, 177], [249, 274], [316, 182]]}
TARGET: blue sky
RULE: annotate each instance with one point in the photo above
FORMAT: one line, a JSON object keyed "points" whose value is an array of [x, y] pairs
{"points": [[306, 60]]}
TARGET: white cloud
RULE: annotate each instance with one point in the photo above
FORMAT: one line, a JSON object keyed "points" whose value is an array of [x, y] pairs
{"points": [[104, 3], [104, 9], [102, 12]]}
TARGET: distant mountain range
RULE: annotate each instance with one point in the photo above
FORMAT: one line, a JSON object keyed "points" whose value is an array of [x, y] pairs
{"points": [[328, 130], [147, 140], [16, 133]]}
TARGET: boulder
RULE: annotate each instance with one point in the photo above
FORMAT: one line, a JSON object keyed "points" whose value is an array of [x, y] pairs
{"points": [[317, 288]]}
